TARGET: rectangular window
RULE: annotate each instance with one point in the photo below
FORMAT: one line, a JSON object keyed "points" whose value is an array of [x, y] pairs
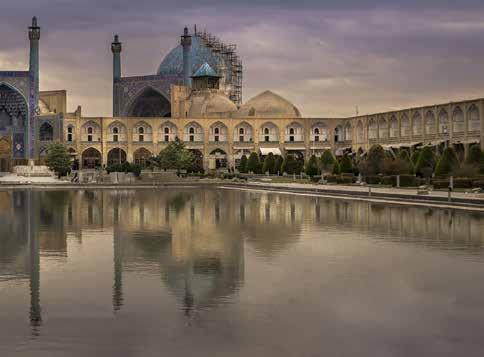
{"points": [[167, 138], [89, 138], [69, 137]]}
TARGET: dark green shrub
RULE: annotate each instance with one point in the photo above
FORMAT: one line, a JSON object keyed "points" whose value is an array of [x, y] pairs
{"points": [[462, 182], [440, 183], [269, 164], [373, 179], [475, 155], [341, 179], [291, 166], [243, 164], [373, 163], [331, 178], [345, 165], [315, 178], [426, 162], [447, 164], [278, 164], [478, 183], [327, 161], [408, 181], [253, 164], [336, 168], [389, 180], [311, 168]]}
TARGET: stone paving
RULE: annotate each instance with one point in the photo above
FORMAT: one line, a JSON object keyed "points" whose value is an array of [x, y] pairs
{"points": [[354, 188]]}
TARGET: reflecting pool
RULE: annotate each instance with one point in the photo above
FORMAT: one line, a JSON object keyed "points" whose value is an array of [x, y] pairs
{"points": [[219, 272]]}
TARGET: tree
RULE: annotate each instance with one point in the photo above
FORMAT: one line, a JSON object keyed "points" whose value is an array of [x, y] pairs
{"points": [[426, 162], [311, 168], [414, 157], [278, 164], [373, 163], [253, 164], [174, 157], [327, 161], [345, 165], [397, 166], [336, 168], [58, 159], [269, 164], [475, 157], [447, 164], [290, 165], [406, 157], [243, 164]]}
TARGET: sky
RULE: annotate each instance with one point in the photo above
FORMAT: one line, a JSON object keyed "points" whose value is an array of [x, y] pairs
{"points": [[327, 57]]}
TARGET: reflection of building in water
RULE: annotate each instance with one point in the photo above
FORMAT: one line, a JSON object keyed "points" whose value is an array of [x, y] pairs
{"points": [[194, 240]]}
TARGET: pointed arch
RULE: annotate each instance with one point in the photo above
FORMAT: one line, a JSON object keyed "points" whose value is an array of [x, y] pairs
{"points": [[46, 132], [319, 132], [393, 127], [348, 132], [243, 132], [294, 132], [430, 123], [474, 119], [404, 126], [116, 156], [14, 109], [458, 120], [91, 158], [193, 132], [218, 132], [382, 128], [167, 132], [372, 129], [149, 102], [443, 119], [142, 132], [91, 132], [417, 124], [269, 133], [142, 156], [117, 132]]}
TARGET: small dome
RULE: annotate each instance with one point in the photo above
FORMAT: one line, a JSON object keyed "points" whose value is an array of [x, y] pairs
{"points": [[269, 104], [210, 104]]}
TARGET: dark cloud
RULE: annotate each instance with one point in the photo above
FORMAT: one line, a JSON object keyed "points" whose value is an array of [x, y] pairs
{"points": [[326, 56]]}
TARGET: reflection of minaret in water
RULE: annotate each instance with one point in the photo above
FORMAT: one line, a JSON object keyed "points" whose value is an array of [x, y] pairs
{"points": [[118, 260], [34, 261]]}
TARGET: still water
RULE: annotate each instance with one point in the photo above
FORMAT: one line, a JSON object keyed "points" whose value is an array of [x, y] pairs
{"points": [[206, 272]]}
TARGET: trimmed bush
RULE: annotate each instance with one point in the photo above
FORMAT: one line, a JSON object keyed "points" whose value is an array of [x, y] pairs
{"points": [[478, 183], [253, 164], [373, 179], [345, 164], [336, 168], [389, 180], [462, 182], [408, 181], [311, 168], [278, 164], [243, 164], [291, 166], [426, 162], [327, 161], [346, 180], [269, 164], [373, 163], [447, 163], [475, 155], [331, 178]]}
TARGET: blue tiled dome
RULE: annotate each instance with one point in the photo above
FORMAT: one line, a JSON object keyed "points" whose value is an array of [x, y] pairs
{"points": [[172, 64]]}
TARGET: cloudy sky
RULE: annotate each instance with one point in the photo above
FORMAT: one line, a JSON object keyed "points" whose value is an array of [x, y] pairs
{"points": [[327, 57]]}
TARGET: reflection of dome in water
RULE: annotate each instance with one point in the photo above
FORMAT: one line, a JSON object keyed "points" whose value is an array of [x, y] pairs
{"points": [[172, 64], [269, 104]]}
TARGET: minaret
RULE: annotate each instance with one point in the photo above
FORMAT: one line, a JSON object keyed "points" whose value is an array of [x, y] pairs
{"points": [[116, 48], [186, 42], [34, 37]]}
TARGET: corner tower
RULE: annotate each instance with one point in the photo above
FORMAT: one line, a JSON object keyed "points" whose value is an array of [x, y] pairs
{"points": [[186, 42], [116, 48]]}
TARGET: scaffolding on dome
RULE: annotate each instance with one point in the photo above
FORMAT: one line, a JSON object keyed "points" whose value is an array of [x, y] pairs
{"points": [[228, 52]]}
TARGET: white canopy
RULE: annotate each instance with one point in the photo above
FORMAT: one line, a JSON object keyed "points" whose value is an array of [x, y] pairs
{"points": [[267, 151]]}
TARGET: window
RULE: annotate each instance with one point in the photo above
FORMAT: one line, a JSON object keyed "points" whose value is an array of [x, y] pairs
{"points": [[89, 134], [141, 136], [216, 132], [70, 135], [115, 134]]}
